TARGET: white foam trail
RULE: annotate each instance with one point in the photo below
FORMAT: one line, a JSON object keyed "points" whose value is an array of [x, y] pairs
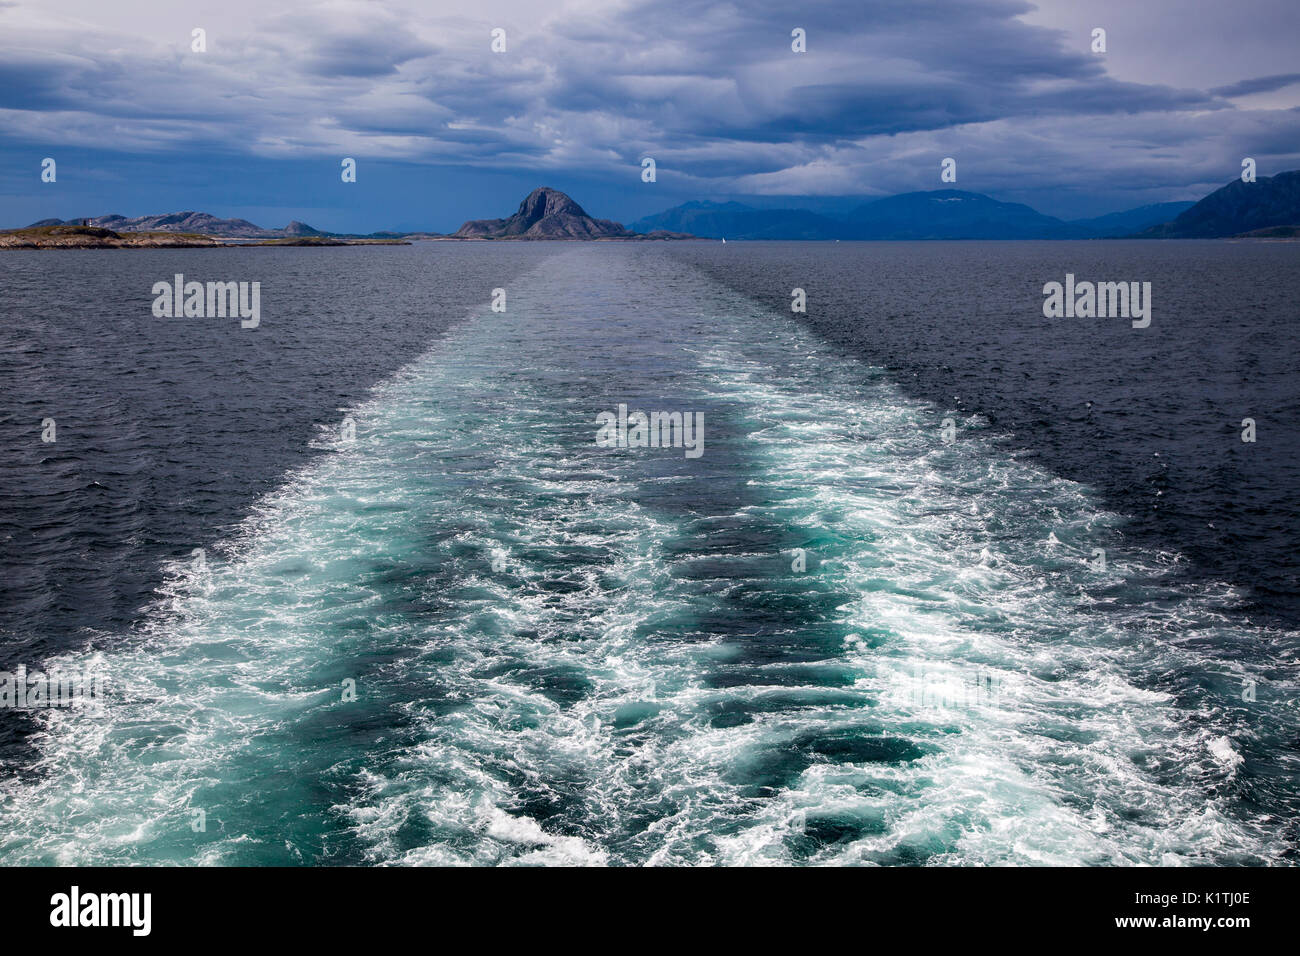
{"points": [[966, 566], [608, 697]]}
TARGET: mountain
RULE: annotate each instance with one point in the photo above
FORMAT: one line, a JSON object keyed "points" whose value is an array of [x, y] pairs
{"points": [[200, 223], [735, 220], [954, 214], [297, 228], [196, 222], [937, 214], [1237, 208], [1117, 224], [545, 214]]}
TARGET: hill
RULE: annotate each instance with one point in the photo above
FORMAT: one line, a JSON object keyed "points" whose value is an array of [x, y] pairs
{"points": [[937, 214], [544, 214], [188, 222], [713, 220], [955, 214], [1237, 208], [1118, 224]]}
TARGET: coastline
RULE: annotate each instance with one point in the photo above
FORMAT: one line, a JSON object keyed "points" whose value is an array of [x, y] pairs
{"points": [[90, 237]]}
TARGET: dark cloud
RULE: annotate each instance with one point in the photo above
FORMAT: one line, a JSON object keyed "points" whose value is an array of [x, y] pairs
{"points": [[872, 69], [712, 90], [1262, 84], [30, 84], [372, 54]]}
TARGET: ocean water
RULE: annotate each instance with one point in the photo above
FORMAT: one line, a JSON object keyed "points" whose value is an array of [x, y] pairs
{"points": [[474, 635], [1151, 418]]}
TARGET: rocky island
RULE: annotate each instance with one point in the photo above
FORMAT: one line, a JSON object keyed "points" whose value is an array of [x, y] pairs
{"points": [[549, 214], [94, 237], [545, 214]]}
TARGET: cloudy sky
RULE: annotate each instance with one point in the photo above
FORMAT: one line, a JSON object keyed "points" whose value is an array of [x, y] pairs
{"points": [[443, 129]]}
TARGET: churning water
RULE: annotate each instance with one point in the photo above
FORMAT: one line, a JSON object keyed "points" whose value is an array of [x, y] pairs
{"points": [[834, 637]]}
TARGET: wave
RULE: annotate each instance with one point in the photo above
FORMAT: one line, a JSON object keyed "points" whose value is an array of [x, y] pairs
{"points": [[836, 637]]}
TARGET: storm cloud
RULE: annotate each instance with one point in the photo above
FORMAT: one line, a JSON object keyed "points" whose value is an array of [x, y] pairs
{"points": [[713, 92]]}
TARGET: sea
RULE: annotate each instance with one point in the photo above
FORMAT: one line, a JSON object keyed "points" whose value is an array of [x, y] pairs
{"points": [[948, 581]]}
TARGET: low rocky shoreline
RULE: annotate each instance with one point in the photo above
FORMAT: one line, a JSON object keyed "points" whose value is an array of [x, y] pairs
{"points": [[94, 237]]}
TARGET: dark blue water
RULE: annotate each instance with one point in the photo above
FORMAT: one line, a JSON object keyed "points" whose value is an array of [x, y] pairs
{"points": [[168, 430], [564, 652], [1150, 417]]}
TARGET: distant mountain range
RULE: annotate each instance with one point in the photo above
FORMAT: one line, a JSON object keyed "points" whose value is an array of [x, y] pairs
{"points": [[936, 214], [953, 214], [1123, 224], [712, 220], [1267, 208], [545, 213]]}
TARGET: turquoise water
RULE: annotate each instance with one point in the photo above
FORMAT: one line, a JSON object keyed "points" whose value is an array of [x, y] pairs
{"points": [[566, 653]]}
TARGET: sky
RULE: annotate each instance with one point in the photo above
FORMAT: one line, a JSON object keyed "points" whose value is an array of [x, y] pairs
{"points": [[443, 128]]}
